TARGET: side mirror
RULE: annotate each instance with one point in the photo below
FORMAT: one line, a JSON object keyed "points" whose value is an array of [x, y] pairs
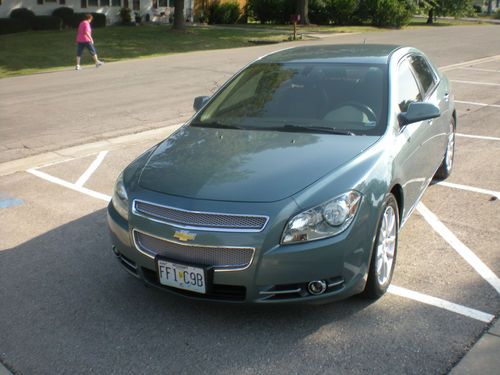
{"points": [[418, 112], [199, 102]]}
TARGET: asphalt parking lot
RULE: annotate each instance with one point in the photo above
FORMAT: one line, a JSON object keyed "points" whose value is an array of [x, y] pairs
{"points": [[68, 307]]}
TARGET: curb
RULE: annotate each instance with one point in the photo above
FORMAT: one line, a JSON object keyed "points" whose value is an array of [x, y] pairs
{"points": [[484, 356]]}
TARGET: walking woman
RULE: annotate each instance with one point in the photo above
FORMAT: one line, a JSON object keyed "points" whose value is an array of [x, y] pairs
{"points": [[84, 40]]}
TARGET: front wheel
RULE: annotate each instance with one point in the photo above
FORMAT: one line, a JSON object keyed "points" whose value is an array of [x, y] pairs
{"points": [[384, 252], [446, 166]]}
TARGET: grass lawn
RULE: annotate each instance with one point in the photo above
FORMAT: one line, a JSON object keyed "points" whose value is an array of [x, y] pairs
{"points": [[31, 52]]}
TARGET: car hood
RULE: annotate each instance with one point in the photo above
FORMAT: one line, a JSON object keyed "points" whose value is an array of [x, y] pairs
{"points": [[245, 165]]}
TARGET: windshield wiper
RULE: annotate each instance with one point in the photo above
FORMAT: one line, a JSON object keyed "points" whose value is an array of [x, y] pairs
{"points": [[214, 124], [319, 129]]}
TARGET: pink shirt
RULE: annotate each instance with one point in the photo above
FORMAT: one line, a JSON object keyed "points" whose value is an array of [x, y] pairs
{"points": [[83, 33]]}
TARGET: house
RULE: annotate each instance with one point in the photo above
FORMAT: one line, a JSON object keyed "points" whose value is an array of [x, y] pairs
{"points": [[155, 10]]}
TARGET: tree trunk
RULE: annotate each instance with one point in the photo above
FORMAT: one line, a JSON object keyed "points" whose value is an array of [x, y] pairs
{"points": [[430, 18], [179, 15], [303, 11], [490, 7]]}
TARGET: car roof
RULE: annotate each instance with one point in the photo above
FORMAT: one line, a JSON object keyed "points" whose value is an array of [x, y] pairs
{"points": [[334, 53]]}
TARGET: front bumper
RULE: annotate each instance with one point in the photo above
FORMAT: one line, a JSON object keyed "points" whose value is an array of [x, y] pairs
{"points": [[277, 273]]}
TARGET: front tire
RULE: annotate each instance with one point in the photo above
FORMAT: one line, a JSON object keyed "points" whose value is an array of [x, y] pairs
{"points": [[384, 252], [446, 166]]}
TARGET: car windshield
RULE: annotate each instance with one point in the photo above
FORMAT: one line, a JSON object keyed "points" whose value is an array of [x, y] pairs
{"points": [[336, 98]]}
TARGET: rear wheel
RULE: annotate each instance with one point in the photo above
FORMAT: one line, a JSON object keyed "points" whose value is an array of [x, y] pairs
{"points": [[446, 166], [384, 252]]}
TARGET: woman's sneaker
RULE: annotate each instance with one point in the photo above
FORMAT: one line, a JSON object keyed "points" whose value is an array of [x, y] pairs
{"points": [[78, 67], [98, 64]]}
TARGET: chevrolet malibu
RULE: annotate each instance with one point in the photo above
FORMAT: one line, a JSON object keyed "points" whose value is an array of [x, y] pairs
{"points": [[292, 182]]}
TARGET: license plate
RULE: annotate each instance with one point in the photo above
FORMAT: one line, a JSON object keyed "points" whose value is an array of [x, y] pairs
{"points": [[181, 276]]}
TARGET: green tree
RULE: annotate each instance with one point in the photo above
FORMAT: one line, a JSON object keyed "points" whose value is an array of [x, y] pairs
{"points": [[436, 8]]}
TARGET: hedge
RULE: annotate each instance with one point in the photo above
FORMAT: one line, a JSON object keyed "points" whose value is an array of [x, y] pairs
{"points": [[23, 16], [47, 23], [10, 26], [271, 11], [99, 19], [227, 13], [66, 14]]}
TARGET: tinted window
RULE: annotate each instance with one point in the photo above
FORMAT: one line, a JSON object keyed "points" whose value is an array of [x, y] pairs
{"points": [[423, 71], [408, 90], [269, 96]]}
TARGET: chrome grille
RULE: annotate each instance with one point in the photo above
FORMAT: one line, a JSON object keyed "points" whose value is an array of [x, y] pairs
{"points": [[219, 257], [201, 220]]}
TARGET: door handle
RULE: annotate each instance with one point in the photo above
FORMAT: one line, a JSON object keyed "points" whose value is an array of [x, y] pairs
{"points": [[446, 97]]}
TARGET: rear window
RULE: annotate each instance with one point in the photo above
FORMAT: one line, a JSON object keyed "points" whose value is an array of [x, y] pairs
{"points": [[265, 96], [424, 73]]}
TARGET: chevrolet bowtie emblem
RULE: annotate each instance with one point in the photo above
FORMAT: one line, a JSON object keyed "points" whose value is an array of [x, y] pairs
{"points": [[184, 236]]}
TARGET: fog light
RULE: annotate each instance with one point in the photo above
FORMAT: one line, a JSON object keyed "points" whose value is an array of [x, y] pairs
{"points": [[316, 287], [115, 250]]}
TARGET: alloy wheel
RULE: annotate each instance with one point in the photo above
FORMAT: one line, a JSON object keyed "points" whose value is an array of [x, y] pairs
{"points": [[386, 246]]}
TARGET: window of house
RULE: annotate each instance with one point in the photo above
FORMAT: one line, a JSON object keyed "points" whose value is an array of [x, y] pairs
{"points": [[39, 2], [125, 3], [83, 3], [408, 90], [105, 3], [116, 3], [136, 4], [163, 3], [92, 3], [62, 2], [155, 4]]}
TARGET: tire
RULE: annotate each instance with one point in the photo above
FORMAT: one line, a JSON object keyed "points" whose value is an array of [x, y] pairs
{"points": [[446, 166], [384, 251]]}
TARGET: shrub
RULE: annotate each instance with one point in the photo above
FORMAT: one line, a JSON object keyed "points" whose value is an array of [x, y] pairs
{"points": [[66, 14], [342, 11], [272, 11], [24, 16], [98, 20], [126, 16], [391, 13], [227, 13], [497, 14], [47, 23], [10, 26], [318, 12]]}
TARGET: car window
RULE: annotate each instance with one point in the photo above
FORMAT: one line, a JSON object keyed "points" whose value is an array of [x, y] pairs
{"points": [[273, 96], [408, 90], [424, 72]]}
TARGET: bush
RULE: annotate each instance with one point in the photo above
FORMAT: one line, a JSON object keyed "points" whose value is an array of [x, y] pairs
{"points": [[10, 26], [227, 13], [391, 13], [271, 11], [66, 14], [24, 16], [126, 16], [98, 20], [497, 14], [342, 11], [47, 23], [318, 12]]}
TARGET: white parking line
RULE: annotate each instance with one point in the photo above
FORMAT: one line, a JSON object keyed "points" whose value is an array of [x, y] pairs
{"points": [[441, 303], [469, 63], [91, 169], [470, 188], [475, 82], [466, 253], [69, 185], [478, 104], [477, 137], [482, 70]]}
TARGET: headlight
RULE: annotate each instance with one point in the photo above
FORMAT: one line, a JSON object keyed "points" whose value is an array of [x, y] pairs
{"points": [[324, 220], [120, 197]]}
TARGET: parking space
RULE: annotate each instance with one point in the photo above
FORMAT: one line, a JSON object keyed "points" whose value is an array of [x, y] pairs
{"points": [[71, 309]]}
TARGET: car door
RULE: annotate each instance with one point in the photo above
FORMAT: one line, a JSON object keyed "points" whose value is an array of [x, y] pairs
{"points": [[410, 161], [436, 129]]}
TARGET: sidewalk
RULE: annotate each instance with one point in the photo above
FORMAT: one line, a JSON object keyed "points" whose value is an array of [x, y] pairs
{"points": [[484, 356]]}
